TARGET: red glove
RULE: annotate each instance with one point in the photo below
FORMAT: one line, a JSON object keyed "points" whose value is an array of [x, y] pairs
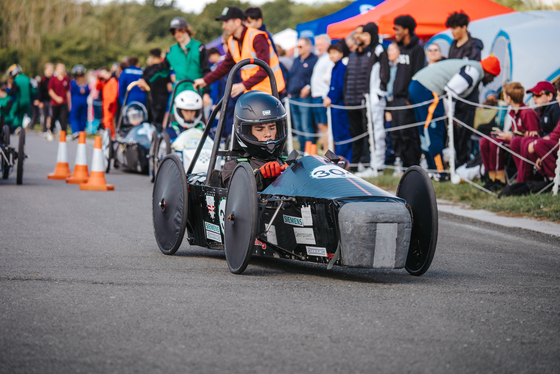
{"points": [[272, 169]]}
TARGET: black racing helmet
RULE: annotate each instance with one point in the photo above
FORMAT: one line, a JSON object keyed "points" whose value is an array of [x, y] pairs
{"points": [[257, 107]]}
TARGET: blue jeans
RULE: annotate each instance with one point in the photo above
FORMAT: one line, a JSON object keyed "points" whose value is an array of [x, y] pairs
{"points": [[431, 138], [302, 120]]}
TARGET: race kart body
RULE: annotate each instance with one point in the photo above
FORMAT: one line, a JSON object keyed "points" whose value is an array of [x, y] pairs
{"points": [[314, 211], [11, 158]]}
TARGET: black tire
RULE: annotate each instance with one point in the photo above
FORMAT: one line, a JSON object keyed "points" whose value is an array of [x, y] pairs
{"points": [[6, 135], [170, 205], [20, 156], [241, 218], [152, 156], [416, 188], [107, 149], [163, 148]]}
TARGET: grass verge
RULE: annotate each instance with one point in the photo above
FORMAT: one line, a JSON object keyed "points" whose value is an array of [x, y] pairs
{"points": [[543, 206]]}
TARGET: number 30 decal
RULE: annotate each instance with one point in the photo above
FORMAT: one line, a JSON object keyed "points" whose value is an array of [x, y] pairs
{"points": [[330, 171]]}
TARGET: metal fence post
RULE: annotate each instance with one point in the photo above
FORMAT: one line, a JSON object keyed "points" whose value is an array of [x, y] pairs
{"points": [[451, 137], [557, 173], [329, 129], [372, 157], [289, 125]]}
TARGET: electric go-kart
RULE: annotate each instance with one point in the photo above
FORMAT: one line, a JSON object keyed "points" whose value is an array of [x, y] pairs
{"points": [[133, 136], [185, 144], [9, 155], [314, 211]]}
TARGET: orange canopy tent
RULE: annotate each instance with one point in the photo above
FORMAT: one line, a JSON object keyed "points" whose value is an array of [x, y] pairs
{"points": [[430, 15]]}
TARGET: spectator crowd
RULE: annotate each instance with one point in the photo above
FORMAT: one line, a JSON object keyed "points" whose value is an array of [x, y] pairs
{"points": [[405, 83]]}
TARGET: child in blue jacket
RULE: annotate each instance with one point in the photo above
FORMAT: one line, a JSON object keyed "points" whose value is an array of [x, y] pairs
{"points": [[79, 92], [340, 125]]}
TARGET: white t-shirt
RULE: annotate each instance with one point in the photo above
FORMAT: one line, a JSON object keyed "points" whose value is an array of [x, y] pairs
{"points": [[321, 77]]}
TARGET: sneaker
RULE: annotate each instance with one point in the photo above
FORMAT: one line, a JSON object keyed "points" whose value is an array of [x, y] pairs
{"points": [[17, 130], [361, 167], [75, 136], [367, 173], [441, 177], [50, 137]]}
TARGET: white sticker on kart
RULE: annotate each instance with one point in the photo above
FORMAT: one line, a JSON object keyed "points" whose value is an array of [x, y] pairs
{"points": [[211, 227], [213, 236], [271, 235], [222, 212], [304, 235], [296, 221], [306, 216], [330, 171], [316, 251]]}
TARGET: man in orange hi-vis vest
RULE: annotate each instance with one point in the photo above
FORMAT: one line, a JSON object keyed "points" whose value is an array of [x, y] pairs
{"points": [[245, 42]]}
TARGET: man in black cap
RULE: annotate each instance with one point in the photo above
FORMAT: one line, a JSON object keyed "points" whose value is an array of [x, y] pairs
{"points": [[245, 42], [188, 59], [406, 143]]}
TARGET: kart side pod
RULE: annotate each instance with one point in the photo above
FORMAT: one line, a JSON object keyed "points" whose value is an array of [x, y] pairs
{"points": [[374, 234]]}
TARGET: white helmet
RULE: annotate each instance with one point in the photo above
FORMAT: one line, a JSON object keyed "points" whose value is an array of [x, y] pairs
{"points": [[187, 100]]}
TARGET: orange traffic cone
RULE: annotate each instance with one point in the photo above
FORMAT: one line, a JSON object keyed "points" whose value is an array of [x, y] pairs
{"points": [[61, 171], [97, 180], [307, 147], [313, 149], [81, 173]]}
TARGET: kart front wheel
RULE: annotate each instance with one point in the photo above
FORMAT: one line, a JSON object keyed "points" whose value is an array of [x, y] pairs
{"points": [[20, 157], [416, 188], [170, 205], [240, 218]]}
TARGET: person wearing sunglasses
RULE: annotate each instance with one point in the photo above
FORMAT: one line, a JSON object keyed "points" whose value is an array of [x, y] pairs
{"points": [[544, 93], [188, 59], [433, 54]]}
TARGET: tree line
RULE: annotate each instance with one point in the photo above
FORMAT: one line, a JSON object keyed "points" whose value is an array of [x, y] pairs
{"points": [[33, 32]]}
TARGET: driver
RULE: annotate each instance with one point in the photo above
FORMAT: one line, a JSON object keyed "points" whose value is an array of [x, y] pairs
{"points": [[187, 110], [135, 114], [260, 129]]}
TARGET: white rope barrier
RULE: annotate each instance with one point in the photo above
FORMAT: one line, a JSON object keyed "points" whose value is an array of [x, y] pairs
{"points": [[472, 103], [351, 140]]}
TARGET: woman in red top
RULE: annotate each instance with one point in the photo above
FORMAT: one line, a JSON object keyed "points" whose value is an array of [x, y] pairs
{"points": [[59, 91], [524, 123]]}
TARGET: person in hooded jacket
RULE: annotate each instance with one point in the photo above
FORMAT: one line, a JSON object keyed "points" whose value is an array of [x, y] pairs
{"points": [[357, 84], [406, 143]]}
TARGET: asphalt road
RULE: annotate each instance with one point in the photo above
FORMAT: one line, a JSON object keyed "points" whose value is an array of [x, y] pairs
{"points": [[84, 289]]}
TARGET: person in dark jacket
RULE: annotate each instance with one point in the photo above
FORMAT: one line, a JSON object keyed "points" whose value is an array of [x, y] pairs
{"points": [[464, 46], [357, 84], [406, 143], [299, 90], [543, 93], [160, 85], [44, 100], [340, 127]]}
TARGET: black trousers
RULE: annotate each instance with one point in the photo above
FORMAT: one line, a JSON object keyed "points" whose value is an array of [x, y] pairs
{"points": [[358, 125], [60, 113], [47, 113], [462, 136], [406, 143]]}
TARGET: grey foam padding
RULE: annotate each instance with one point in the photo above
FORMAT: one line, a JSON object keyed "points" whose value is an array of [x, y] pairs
{"points": [[375, 234]]}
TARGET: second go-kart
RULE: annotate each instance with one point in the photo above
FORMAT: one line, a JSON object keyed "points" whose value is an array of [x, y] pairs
{"points": [[314, 211], [11, 158], [133, 135]]}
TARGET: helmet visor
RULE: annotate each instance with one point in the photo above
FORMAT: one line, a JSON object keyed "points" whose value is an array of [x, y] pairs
{"points": [[263, 132]]}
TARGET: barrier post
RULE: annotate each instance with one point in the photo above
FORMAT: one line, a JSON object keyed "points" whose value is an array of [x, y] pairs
{"points": [[372, 157], [329, 129], [289, 126], [450, 136], [557, 174]]}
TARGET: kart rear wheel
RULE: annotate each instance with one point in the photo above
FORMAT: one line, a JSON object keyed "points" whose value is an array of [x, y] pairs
{"points": [[152, 156], [170, 205], [107, 149], [417, 189], [241, 218], [20, 156], [6, 135]]}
